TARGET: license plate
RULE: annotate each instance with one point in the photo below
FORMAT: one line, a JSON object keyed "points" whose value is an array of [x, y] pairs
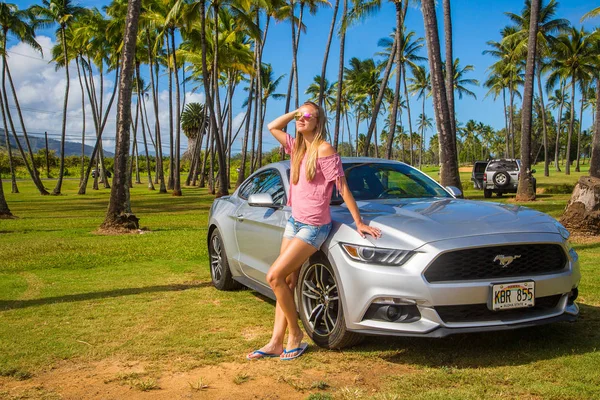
{"points": [[512, 295]]}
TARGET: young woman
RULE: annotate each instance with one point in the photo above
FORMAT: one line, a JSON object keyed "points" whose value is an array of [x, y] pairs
{"points": [[315, 167]]}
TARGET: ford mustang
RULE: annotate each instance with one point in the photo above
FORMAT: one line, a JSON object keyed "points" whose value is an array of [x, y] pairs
{"points": [[443, 265]]}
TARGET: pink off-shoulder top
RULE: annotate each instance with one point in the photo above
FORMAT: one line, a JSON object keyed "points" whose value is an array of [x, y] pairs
{"points": [[310, 200]]}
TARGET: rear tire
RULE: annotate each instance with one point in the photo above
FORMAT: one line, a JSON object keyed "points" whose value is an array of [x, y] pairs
{"points": [[320, 306], [219, 267], [487, 193]]}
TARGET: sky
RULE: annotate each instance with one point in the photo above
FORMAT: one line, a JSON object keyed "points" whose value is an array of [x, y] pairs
{"points": [[40, 87]]}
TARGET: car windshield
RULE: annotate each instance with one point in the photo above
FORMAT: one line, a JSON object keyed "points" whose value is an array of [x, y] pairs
{"points": [[369, 181]]}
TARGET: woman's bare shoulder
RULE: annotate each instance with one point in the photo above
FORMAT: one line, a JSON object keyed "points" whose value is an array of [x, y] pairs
{"points": [[325, 150]]}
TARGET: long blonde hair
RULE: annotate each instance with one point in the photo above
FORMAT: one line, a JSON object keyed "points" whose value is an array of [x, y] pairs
{"points": [[300, 149]]}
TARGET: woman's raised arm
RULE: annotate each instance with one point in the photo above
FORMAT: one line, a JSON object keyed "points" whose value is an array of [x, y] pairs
{"points": [[276, 126]]}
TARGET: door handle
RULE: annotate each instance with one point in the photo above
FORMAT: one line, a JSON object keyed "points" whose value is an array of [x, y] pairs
{"points": [[240, 217]]}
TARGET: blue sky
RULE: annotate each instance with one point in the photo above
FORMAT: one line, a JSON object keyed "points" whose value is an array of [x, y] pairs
{"points": [[474, 23]]}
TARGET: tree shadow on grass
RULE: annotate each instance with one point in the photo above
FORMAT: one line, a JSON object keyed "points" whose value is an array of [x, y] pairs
{"points": [[6, 305], [490, 349]]}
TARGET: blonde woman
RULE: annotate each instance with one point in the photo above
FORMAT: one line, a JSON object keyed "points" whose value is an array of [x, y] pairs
{"points": [[315, 167]]}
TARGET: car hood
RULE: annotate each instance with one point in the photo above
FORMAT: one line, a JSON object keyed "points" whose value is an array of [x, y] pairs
{"points": [[414, 222]]}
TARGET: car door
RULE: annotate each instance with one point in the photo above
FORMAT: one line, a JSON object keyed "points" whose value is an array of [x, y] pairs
{"points": [[259, 230]]}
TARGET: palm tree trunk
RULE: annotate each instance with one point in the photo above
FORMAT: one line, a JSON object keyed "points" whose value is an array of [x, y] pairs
{"points": [[579, 131], [119, 214], [326, 56], [506, 130], [570, 135], [176, 172], [4, 210], [159, 158], [399, 27], [525, 190], [139, 98], [340, 85], [378, 101], [422, 135], [83, 121], [295, 65], [170, 182], [6, 113], [595, 158], [33, 172], [511, 119], [449, 65], [448, 156], [216, 131], [61, 170], [545, 129], [294, 55], [13, 178], [412, 161], [242, 173], [559, 128]]}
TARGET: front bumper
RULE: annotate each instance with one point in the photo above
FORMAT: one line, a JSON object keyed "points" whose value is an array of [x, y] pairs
{"points": [[361, 284]]}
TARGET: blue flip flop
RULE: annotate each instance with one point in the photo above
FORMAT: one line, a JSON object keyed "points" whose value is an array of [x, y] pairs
{"points": [[301, 350], [261, 354]]}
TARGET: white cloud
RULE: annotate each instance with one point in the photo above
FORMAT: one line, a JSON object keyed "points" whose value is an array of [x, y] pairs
{"points": [[41, 89]]}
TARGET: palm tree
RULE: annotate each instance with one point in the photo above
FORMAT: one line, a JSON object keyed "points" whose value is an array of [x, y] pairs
{"points": [[327, 91], [510, 67], [558, 101], [547, 26], [525, 190], [14, 22], [61, 12], [449, 65], [574, 58], [423, 123], [119, 214], [407, 57], [459, 81], [448, 156], [421, 86]]}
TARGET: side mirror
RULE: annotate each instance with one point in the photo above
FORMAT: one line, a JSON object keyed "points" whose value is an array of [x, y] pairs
{"points": [[455, 192], [262, 200]]}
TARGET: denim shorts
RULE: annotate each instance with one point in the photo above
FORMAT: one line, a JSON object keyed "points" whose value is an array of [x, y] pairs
{"points": [[314, 235]]}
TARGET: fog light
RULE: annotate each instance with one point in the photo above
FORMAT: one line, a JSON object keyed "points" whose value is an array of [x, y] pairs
{"points": [[393, 313]]}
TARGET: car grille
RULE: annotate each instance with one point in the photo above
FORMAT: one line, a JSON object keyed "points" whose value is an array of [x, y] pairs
{"points": [[481, 313], [478, 263]]}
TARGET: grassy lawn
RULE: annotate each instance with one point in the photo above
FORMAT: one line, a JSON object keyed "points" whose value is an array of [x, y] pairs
{"points": [[72, 300]]}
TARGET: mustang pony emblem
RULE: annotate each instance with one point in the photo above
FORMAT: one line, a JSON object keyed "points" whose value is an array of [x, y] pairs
{"points": [[505, 261]]}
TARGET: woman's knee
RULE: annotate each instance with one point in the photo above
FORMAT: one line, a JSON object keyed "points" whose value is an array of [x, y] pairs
{"points": [[274, 278]]}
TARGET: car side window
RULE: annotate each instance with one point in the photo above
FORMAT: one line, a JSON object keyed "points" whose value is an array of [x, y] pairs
{"points": [[268, 181]]}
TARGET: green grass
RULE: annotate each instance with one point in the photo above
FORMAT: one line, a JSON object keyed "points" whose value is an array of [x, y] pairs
{"points": [[67, 293]]}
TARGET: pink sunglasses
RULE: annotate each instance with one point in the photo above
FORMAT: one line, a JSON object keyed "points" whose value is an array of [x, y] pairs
{"points": [[306, 116]]}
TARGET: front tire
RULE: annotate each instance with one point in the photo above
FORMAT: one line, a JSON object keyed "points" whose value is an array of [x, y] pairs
{"points": [[219, 267], [320, 306]]}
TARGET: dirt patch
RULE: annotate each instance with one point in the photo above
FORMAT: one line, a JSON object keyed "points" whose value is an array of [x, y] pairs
{"points": [[465, 169], [323, 372], [120, 231]]}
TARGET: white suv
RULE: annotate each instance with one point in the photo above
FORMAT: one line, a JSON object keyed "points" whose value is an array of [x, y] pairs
{"points": [[502, 176]]}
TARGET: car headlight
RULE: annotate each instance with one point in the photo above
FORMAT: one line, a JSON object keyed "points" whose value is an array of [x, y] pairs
{"points": [[376, 255], [562, 230]]}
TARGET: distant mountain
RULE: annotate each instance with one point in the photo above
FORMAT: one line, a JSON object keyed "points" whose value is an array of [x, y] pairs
{"points": [[38, 142]]}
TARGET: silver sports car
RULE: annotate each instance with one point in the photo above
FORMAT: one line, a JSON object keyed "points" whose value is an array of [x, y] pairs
{"points": [[443, 265]]}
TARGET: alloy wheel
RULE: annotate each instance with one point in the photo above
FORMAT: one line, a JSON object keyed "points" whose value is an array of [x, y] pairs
{"points": [[320, 298], [216, 258]]}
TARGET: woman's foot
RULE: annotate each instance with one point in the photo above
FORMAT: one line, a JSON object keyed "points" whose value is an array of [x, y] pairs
{"points": [[268, 351], [294, 346]]}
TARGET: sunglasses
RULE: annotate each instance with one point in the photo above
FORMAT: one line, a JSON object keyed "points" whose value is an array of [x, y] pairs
{"points": [[306, 116]]}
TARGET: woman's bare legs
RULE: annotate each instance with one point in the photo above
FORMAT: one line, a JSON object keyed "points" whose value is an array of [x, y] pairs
{"points": [[275, 345], [289, 262]]}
